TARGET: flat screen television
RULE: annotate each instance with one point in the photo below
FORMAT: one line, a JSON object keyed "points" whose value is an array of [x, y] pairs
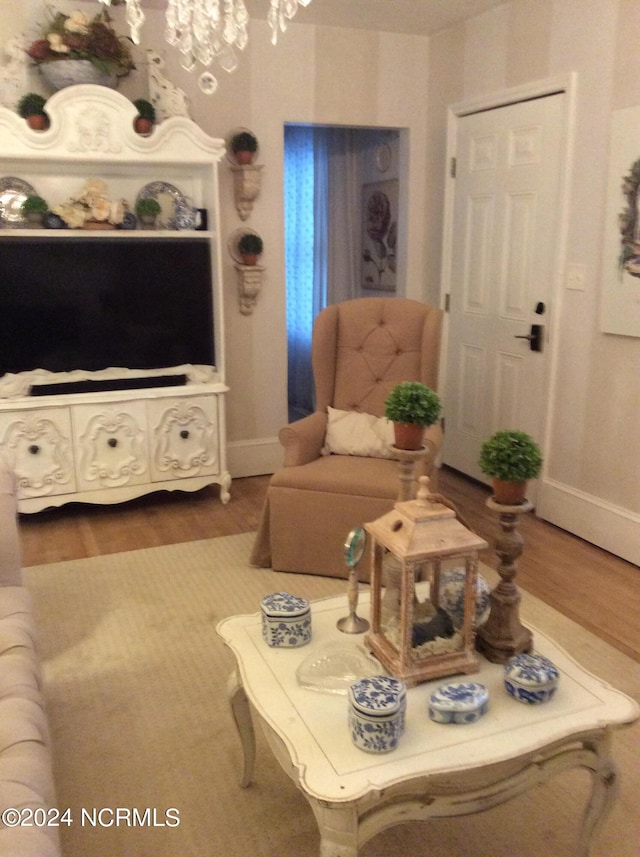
{"points": [[95, 303]]}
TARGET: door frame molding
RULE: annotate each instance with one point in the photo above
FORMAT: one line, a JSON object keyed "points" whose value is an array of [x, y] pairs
{"points": [[567, 85]]}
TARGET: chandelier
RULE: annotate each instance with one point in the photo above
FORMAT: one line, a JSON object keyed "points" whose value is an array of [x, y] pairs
{"points": [[208, 31]]}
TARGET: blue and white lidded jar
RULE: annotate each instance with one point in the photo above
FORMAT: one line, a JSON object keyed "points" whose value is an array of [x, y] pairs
{"points": [[286, 620], [377, 712], [462, 702], [531, 678]]}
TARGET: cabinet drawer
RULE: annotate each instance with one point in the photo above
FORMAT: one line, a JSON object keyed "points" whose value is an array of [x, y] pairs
{"points": [[183, 434], [111, 445], [38, 447]]}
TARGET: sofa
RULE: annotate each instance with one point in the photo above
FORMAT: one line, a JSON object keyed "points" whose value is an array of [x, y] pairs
{"points": [[26, 774]]}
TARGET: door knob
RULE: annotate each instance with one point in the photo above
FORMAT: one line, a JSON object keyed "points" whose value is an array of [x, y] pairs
{"points": [[535, 337]]}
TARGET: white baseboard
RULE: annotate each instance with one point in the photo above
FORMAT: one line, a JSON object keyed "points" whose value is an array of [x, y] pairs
{"points": [[604, 524], [254, 457]]}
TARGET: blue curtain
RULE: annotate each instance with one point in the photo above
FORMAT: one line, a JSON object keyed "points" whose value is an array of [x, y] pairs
{"points": [[305, 196]]}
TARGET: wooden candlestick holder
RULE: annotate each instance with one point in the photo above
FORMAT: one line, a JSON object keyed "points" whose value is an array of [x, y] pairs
{"points": [[503, 635], [407, 460]]}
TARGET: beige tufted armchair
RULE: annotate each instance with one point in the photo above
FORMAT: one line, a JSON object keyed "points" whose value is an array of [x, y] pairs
{"points": [[360, 350]]}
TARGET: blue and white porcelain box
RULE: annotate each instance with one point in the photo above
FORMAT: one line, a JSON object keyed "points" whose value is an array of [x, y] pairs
{"points": [[531, 678], [286, 620], [461, 702], [377, 710]]}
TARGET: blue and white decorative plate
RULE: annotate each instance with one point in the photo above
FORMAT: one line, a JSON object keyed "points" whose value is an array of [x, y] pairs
{"points": [[531, 678], [462, 702], [13, 192], [451, 596], [175, 210]]}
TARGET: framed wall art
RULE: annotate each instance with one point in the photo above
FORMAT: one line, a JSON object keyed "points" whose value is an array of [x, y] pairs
{"points": [[620, 306], [379, 235]]}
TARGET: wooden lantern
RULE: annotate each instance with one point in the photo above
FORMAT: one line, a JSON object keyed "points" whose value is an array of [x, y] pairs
{"points": [[414, 539]]}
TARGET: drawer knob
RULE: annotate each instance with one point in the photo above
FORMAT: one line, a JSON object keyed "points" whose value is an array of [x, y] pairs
{"points": [[34, 449], [184, 434], [112, 442]]}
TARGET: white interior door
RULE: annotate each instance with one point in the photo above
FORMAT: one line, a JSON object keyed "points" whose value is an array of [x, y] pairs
{"points": [[502, 261]]}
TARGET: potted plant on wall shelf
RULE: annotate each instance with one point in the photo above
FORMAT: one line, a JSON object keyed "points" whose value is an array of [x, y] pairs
{"points": [[147, 210], [411, 407], [143, 123], [244, 145], [31, 108], [250, 246], [510, 457], [34, 209]]}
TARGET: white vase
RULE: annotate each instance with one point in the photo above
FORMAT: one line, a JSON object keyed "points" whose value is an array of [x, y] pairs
{"points": [[61, 73]]}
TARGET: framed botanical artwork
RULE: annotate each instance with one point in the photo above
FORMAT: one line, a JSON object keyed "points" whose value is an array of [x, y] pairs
{"points": [[379, 235], [620, 308]]}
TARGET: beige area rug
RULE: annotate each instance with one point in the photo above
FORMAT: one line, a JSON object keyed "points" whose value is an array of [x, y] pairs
{"points": [[136, 683]]}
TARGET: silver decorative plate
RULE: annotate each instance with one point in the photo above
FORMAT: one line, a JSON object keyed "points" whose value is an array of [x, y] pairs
{"points": [[13, 193], [176, 213]]}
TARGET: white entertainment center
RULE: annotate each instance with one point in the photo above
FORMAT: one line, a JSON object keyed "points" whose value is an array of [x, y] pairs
{"points": [[107, 444]]}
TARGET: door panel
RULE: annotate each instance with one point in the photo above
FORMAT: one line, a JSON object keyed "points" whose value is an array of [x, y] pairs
{"points": [[503, 250]]}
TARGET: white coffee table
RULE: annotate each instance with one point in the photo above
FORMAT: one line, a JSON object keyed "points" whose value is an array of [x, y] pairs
{"points": [[437, 770]]}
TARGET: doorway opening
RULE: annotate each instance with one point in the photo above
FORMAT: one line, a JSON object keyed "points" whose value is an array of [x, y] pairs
{"points": [[327, 169]]}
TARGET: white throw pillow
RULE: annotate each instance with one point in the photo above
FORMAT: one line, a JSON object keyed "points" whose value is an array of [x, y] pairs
{"points": [[354, 433]]}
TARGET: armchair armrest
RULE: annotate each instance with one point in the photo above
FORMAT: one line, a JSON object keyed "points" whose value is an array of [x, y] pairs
{"points": [[303, 439]]}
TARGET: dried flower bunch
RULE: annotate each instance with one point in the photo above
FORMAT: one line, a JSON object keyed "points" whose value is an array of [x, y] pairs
{"points": [[92, 204], [76, 37]]}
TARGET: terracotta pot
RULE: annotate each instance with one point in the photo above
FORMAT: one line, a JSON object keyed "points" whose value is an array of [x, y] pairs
{"points": [[38, 122], [244, 157], [249, 259], [142, 126], [408, 435], [509, 493]]}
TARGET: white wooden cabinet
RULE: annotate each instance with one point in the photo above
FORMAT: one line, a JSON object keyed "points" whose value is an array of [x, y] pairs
{"points": [[112, 445]]}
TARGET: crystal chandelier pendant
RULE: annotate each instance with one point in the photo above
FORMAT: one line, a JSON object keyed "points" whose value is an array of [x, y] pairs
{"points": [[204, 30]]}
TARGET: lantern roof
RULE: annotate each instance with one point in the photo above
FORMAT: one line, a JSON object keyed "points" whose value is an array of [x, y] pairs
{"points": [[423, 528]]}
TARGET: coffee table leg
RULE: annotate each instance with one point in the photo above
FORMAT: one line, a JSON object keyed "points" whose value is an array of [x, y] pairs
{"points": [[338, 827], [604, 791], [244, 724]]}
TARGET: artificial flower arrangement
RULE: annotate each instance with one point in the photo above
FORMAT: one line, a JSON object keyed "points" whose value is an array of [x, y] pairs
{"points": [[76, 37], [92, 205]]}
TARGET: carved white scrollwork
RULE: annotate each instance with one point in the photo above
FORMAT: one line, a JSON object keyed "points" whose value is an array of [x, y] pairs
{"points": [[113, 449], [185, 441], [93, 133], [39, 454]]}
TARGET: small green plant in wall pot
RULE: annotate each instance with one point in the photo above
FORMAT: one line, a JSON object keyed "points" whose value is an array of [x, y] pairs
{"points": [[411, 407], [244, 145], [147, 210], [511, 458], [31, 108], [250, 247]]}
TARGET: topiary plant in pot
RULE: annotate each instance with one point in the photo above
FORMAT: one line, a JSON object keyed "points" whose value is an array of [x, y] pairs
{"points": [[31, 108], [244, 145], [411, 407], [510, 457], [147, 210], [34, 208], [250, 246], [143, 123]]}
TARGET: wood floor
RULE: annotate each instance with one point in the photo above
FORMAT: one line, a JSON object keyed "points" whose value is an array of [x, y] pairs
{"points": [[589, 585]]}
